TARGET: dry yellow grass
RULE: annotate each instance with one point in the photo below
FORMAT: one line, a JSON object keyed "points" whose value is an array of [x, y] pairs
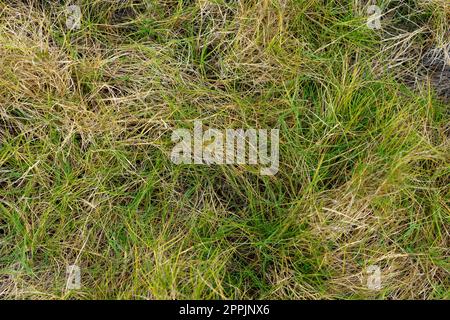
{"points": [[86, 179]]}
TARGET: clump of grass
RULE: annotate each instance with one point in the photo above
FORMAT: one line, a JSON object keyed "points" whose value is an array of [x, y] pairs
{"points": [[85, 176]]}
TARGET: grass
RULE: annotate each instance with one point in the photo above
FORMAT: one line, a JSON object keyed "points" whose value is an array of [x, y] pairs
{"points": [[85, 173]]}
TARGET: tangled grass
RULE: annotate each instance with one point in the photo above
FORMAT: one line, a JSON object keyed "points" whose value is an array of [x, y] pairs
{"points": [[85, 175]]}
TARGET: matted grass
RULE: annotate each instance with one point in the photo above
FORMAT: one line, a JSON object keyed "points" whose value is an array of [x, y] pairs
{"points": [[85, 172]]}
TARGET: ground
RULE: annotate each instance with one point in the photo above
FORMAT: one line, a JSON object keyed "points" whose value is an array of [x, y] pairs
{"points": [[86, 179]]}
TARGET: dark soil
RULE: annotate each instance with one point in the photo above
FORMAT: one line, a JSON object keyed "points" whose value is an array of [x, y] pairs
{"points": [[438, 70]]}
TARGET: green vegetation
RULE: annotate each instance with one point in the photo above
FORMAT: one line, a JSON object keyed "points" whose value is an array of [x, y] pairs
{"points": [[86, 117]]}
